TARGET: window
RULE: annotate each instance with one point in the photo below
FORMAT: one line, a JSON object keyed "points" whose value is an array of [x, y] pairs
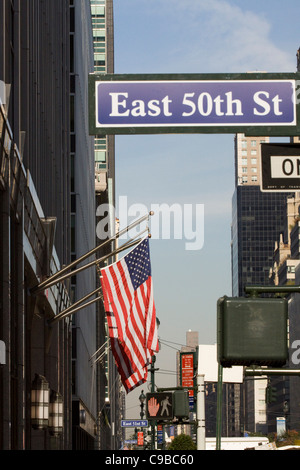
{"points": [[100, 156], [290, 269], [98, 10]]}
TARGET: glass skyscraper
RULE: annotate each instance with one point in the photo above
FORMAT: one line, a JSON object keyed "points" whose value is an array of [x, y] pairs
{"points": [[258, 218]]}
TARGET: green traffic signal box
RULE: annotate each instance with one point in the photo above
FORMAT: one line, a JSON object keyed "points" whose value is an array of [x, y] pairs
{"points": [[252, 331]]}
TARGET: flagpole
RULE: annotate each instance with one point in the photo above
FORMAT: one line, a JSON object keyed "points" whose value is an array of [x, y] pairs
{"points": [[45, 283], [65, 312], [101, 355], [74, 310], [70, 310], [99, 349], [50, 282]]}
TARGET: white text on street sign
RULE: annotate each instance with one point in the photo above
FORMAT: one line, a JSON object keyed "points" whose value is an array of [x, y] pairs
{"points": [[132, 423], [147, 104]]}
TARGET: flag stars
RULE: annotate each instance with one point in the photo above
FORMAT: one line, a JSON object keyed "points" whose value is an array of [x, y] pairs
{"points": [[138, 262]]}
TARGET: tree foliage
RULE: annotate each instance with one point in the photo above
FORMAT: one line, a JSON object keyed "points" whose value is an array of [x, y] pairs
{"points": [[182, 442], [290, 437]]}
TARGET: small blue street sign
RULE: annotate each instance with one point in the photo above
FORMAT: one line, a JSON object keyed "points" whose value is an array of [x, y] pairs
{"points": [[132, 423], [159, 435]]}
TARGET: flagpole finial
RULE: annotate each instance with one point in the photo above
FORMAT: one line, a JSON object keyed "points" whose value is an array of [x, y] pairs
{"points": [[149, 235], [151, 213]]}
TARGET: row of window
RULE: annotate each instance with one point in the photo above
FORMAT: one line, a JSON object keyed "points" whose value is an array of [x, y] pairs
{"points": [[253, 161], [244, 153], [97, 21], [253, 143], [253, 169], [245, 179]]}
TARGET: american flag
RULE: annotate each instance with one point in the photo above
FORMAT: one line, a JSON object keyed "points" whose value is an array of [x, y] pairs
{"points": [[131, 316]]}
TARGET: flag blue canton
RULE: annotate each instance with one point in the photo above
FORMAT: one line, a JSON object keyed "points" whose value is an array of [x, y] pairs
{"points": [[138, 263]]}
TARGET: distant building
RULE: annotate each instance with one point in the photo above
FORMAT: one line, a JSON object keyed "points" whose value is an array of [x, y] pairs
{"points": [[285, 271], [192, 339], [258, 219]]}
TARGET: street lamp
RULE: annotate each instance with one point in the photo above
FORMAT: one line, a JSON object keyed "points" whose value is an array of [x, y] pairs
{"points": [[142, 399], [55, 414], [39, 402]]}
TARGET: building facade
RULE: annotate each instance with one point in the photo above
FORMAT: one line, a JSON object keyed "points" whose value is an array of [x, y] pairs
{"points": [[83, 227], [110, 396], [34, 208], [47, 210], [258, 219], [285, 271]]}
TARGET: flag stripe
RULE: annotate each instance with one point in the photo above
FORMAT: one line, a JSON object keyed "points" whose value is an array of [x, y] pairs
{"points": [[132, 335], [130, 308], [130, 378]]}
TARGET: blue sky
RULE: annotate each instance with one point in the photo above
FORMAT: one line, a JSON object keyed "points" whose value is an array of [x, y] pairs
{"points": [[193, 36]]}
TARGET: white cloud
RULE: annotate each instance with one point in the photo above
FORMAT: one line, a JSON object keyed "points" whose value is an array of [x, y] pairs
{"points": [[215, 36]]}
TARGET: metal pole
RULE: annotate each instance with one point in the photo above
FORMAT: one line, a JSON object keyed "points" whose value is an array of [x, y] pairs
{"points": [[69, 310], [54, 280], [219, 407], [200, 413], [252, 372], [87, 255], [255, 290], [153, 423], [74, 310]]}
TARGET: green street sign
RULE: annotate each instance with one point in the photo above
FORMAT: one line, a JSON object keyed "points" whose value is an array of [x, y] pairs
{"points": [[254, 104]]}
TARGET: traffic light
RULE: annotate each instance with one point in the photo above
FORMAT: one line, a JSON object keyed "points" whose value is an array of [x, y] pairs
{"points": [[271, 394], [164, 406], [159, 406], [252, 331], [181, 404]]}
